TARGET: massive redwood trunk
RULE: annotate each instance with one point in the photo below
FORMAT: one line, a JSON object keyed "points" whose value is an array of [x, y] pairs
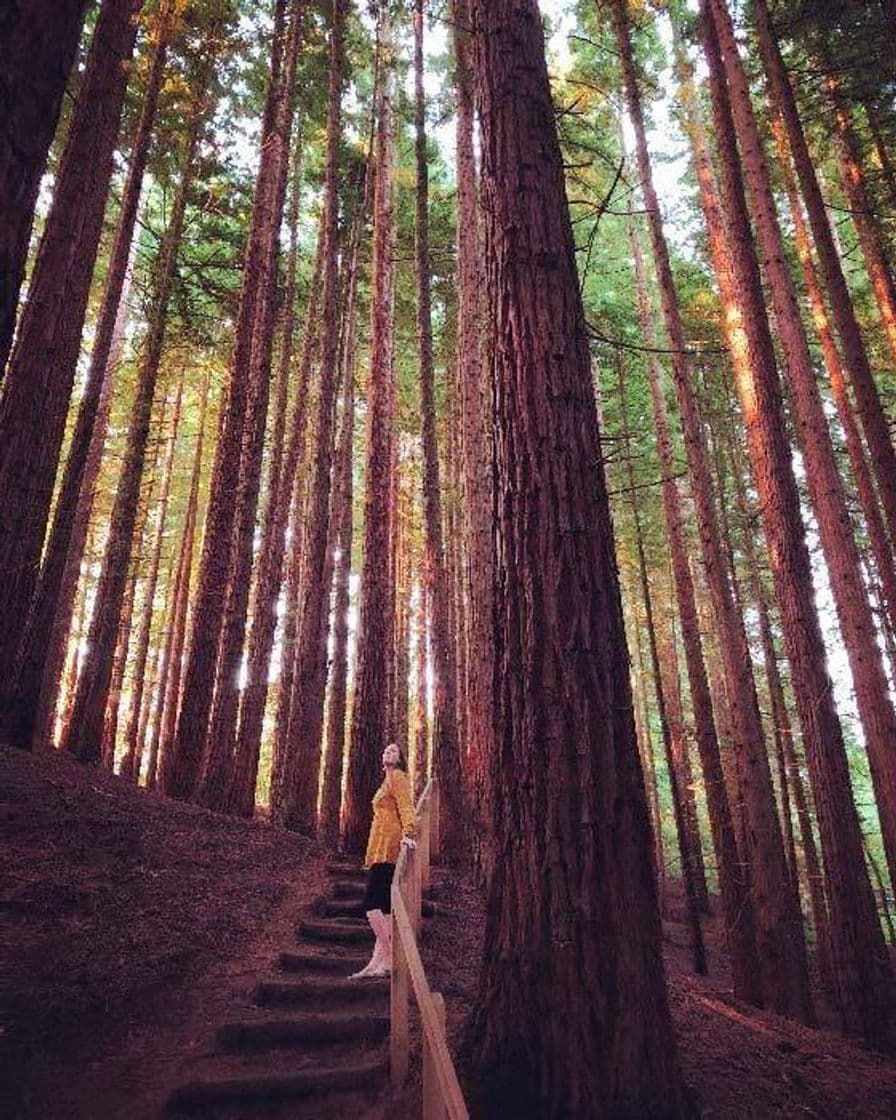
{"points": [[40, 40], [85, 730], [446, 748], [862, 972], [782, 952], [823, 481], [855, 355], [37, 671], [370, 713], [38, 385], [574, 1018], [182, 764], [310, 675]]}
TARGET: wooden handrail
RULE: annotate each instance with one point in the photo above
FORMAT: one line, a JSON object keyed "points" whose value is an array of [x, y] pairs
{"points": [[442, 1096]]}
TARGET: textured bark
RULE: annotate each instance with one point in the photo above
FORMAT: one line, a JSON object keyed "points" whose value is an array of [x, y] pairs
{"points": [[310, 679], [421, 726], [475, 455], [876, 711], [370, 729], [855, 356], [574, 1018], [343, 525], [779, 937], [85, 731], [38, 385], [215, 789], [862, 972], [737, 905], [131, 763], [183, 763], [167, 723], [446, 747], [645, 739], [40, 40], [40, 646]]}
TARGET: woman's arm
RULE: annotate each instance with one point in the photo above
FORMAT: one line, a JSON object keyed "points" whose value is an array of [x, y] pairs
{"points": [[400, 786]]}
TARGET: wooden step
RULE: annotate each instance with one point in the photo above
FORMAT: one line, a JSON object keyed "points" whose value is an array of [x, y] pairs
{"points": [[323, 992], [350, 908], [348, 888], [265, 1032], [268, 1088], [342, 964], [342, 869], [341, 930]]}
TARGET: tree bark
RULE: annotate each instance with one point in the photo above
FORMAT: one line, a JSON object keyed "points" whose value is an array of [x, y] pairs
{"points": [[299, 810], [183, 764], [38, 385], [862, 972], [572, 920], [40, 40], [783, 968], [823, 481], [39, 648], [85, 731]]}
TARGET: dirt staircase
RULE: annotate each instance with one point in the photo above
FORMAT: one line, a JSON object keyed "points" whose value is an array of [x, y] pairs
{"points": [[315, 1044]]}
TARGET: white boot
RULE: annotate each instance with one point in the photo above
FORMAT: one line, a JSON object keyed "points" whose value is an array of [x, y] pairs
{"points": [[374, 966]]}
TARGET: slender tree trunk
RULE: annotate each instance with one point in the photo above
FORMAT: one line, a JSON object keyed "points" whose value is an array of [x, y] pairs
{"points": [[38, 385], [862, 973], [779, 937], [85, 731], [310, 679], [572, 920], [215, 789], [39, 649], [175, 662], [734, 885], [183, 763], [131, 763], [421, 732], [370, 711], [855, 356], [445, 742], [40, 40], [475, 456], [823, 481]]}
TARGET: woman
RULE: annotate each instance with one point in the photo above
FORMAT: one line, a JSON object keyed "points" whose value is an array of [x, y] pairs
{"points": [[394, 825]]}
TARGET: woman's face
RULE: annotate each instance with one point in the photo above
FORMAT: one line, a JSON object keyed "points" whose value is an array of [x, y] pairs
{"points": [[390, 756]]}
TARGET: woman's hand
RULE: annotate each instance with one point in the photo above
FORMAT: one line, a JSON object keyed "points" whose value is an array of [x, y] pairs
{"points": [[408, 842]]}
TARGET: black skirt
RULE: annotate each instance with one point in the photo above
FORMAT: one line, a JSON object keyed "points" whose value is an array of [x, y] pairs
{"points": [[378, 892]]}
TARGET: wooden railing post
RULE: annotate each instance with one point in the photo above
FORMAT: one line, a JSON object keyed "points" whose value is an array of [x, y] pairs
{"points": [[398, 1041], [433, 1100]]}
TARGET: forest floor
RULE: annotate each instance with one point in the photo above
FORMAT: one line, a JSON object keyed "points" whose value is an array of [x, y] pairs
{"points": [[130, 924]]}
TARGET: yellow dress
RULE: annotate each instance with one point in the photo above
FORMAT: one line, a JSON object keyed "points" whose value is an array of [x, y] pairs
{"points": [[393, 818]]}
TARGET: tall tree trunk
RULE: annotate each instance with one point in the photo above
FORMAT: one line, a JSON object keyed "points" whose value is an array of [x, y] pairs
{"points": [[310, 678], [343, 524], [446, 747], [39, 650], [572, 917], [175, 662], [38, 385], [855, 356], [475, 455], [215, 789], [85, 731], [131, 763], [421, 729], [823, 481], [862, 973], [370, 713], [737, 905], [40, 40], [183, 763], [782, 953]]}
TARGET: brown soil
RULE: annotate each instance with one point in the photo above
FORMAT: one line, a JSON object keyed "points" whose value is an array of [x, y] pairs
{"points": [[131, 925]]}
